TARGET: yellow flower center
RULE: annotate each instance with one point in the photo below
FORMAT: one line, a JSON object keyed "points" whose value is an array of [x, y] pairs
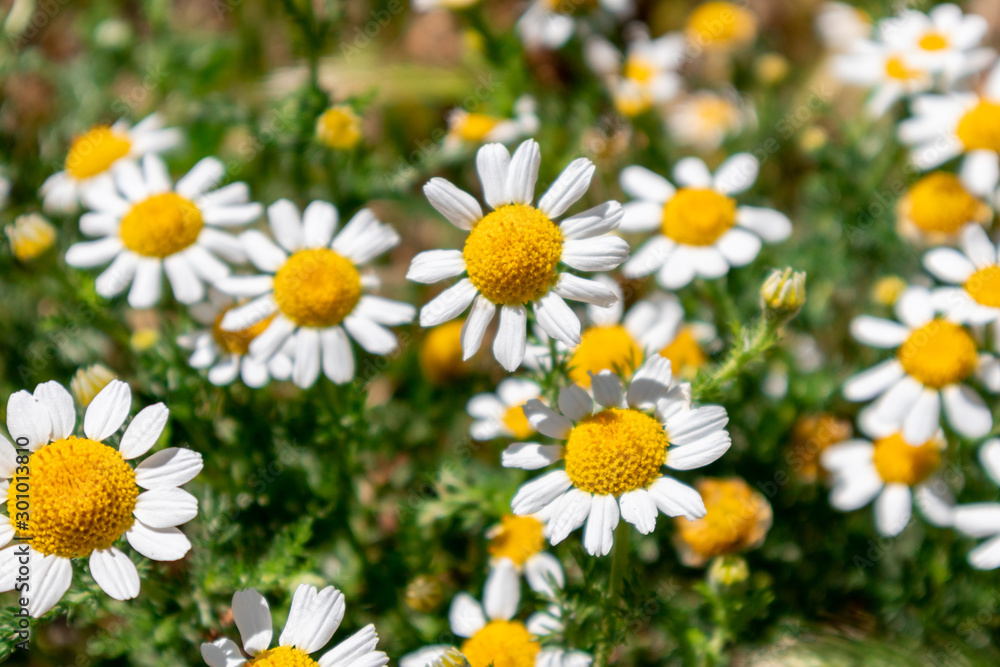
{"points": [[984, 286], [721, 24], [685, 353], [237, 342], [938, 354], [979, 128], [933, 41], [604, 349], [512, 253], [161, 225], [698, 216], [716, 111], [899, 462], [501, 644], [474, 127], [615, 451], [441, 352], [81, 494], [317, 288], [639, 70], [339, 127], [939, 202], [282, 656], [888, 290], [895, 68], [94, 152], [733, 519], [518, 424], [519, 538]]}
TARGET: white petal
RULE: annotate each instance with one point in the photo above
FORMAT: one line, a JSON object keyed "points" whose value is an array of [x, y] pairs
{"points": [[766, 223], [736, 174], [372, 336], [545, 420], [989, 457], [570, 185], [638, 509], [306, 363], [857, 490], [893, 509], [249, 314], [676, 499], [114, 279], [274, 336], [557, 319], [173, 466], [575, 403], [511, 337], [58, 403], [523, 172], [143, 431], [166, 507], [608, 391], [107, 412], [602, 253], [986, 556], [184, 281], [492, 162], [978, 519], [432, 266], [878, 332], [458, 206], [700, 453], [915, 307], [593, 292], [980, 172], [264, 254], [466, 615], [650, 383], [593, 222], [115, 573], [646, 185], [358, 650], [691, 172], [8, 462], [203, 177], [924, 418], [338, 358], [651, 256], [691, 426], [544, 574], [567, 513], [679, 268], [966, 411], [147, 284], [160, 544], [598, 536], [54, 575], [530, 455], [474, 327], [365, 237], [286, 224], [533, 496], [313, 618], [319, 220], [739, 246], [949, 265], [88, 254], [448, 304], [870, 383], [253, 619], [222, 652], [502, 591]]}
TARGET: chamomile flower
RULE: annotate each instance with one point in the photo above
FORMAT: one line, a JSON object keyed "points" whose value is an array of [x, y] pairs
{"points": [[721, 27], [83, 494], [226, 353], [704, 119], [500, 414], [645, 77], [940, 205], [312, 292], [512, 255], [841, 26], [944, 41], [890, 471], [982, 520], [959, 123], [520, 540], [934, 358], [150, 227], [614, 455], [312, 620], [470, 127], [976, 271], [549, 24], [891, 74], [701, 230], [550, 622], [737, 519], [490, 630], [93, 154]]}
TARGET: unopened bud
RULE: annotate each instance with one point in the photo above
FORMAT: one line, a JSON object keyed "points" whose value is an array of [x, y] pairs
{"points": [[784, 292]]}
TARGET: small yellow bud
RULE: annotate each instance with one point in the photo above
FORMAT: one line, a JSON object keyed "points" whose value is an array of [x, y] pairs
{"points": [[728, 571], [784, 292], [771, 68], [88, 381], [339, 127], [888, 289], [813, 139], [30, 236], [452, 658]]}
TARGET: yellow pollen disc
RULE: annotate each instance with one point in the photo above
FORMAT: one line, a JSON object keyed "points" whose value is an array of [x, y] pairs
{"points": [[639, 70], [721, 24], [938, 354], [717, 112], [501, 644], [518, 424], [939, 202], [685, 353], [737, 516], [698, 216], [441, 353], [615, 451], [899, 462], [317, 288], [519, 538], [895, 68], [984, 286], [979, 128], [94, 152], [604, 349], [512, 253], [161, 225], [474, 127], [933, 41], [237, 342], [82, 494], [282, 656], [339, 127]]}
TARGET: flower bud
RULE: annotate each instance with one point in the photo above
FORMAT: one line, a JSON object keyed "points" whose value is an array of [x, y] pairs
{"points": [[87, 382], [30, 236], [783, 293]]}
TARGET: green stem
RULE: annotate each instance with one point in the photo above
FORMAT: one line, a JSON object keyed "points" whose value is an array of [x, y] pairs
{"points": [[747, 347], [619, 561]]}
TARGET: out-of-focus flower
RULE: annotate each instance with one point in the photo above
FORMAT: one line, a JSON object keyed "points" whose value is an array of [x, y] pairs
{"points": [[500, 414], [889, 73], [150, 228], [983, 519], [736, 519], [614, 453], [975, 271], [521, 540], [730, 570], [226, 354], [645, 77], [784, 292], [424, 593], [428, 5], [452, 658], [934, 359], [940, 205], [888, 290], [771, 68], [144, 339], [813, 139], [721, 27], [841, 25], [700, 230], [313, 293], [548, 24], [466, 127], [93, 154], [30, 235], [88, 381], [703, 119], [811, 435], [513, 254], [312, 620], [339, 127], [441, 353], [84, 494]]}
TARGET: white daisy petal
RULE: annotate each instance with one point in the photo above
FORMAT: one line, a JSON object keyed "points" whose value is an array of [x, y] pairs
{"points": [[949, 265], [530, 455], [511, 337], [544, 574], [602, 253], [8, 463], [857, 490], [593, 222], [466, 615], [449, 304], [286, 224], [608, 391], [535, 495], [432, 266], [370, 335], [980, 172], [184, 282], [766, 223], [338, 358], [691, 172], [143, 431], [492, 164], [570, 185], [159, 544], [868, 384], [575, 403], [358, 650], [114, 279], [567, 513], [458, 206], [90, 254], [173, 466], [365, 237], [639, 509], [262, 252], [924, 418], [986, 556], [598, 535], [545, 420], [313, 618], [502, 591], [978, 519], [147, 284], [650, 383], [204, 176], [54, 576], [893, 509], [699, 453], [115, 573], [736, 174], [557, 319], [385, 311], [319, 220], [644, 184], [966, 411], [594, 292], [989, 457], [474, 327], [641, 216], [58, 403], [651, 256], [107, 412], [523, 172], [223, 652], [306, 364], [692, 425], [676, 499], [166, 507], [739, 246], [977, 247]]}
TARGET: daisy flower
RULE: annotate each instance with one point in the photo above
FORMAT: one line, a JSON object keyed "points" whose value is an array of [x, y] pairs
{"points": [[500, 414], [934, 358], [312, 292], [150, 227], [83, 495], [703, 119], [983, 519], [512, 255], [737, 519], [940, 205], [226, 353], [548, 24], [721, 27], [702, 231], [976, 271], [959, 123], [520, 540], [489, 629], [93, 154], [614, 455], [469, 127], [841, 26], [891, 74], [646, 76], [887, 469], [312, 620]]}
